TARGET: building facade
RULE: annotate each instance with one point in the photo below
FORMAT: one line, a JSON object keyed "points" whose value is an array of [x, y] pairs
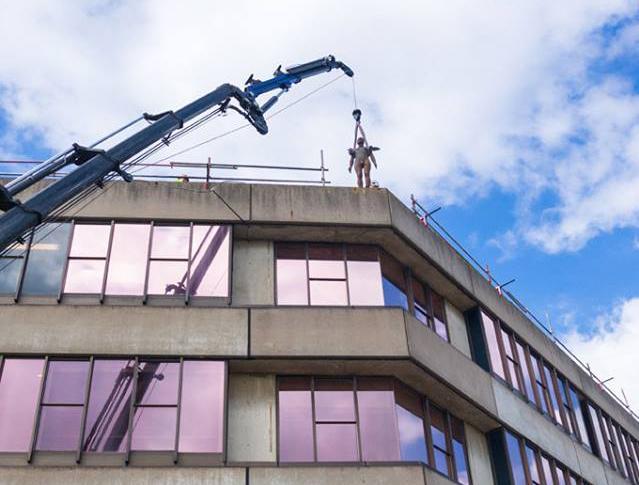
{"points": [[281, 335]]}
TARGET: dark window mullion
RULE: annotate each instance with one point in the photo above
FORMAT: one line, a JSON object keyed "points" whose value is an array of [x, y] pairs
{"points": [[502, 352], [308, 295], [359, 434], [348, 292], [36, 421], [187, 293], [107, 260], [178, 408], [523, 456], [145, 297], [23, 268], [85, 407], [429, 436], [65, 270], [313, 408], [134, 390], [450, 453]]}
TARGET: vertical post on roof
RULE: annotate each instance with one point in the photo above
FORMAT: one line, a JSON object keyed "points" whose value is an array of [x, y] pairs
{"points": [[322, 168], [208, 173]]}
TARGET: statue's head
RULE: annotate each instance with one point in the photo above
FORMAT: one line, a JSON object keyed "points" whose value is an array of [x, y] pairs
{"points": [[360, 141]]}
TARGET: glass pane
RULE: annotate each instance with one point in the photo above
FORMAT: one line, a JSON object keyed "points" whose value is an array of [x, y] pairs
{"points": [[210, 261], [514, 455], [170, 242], [440, 328], [290, 251], [127, 265], [438, 428], [167, 277], [19, 388], [328, 292], [411, 436], [9, 274], [541, 389], [493, 346], [326, 269], [59, 428], [421, 314], [66, 382], [154, 428], [439, 310], [460, 462], [420, 296], [202, 410], [393, 296], [378, 426], [594, 419], [550, 383], [84, 276], [361, 252], [365, 283], [295, 426], [291, 282], [158, 383], [528, 384], [334, 401], [441, 461], [393, 271], [90, 240], [337, 442], [561, 476], [533, 469], [109, 403], [43, 274], [561, 385], [545, 466], [326, 252]]}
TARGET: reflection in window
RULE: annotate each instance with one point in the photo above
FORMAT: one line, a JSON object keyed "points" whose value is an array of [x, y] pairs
{"points": [[429, 308], [47, 255], [19, 388], [493, 345], [10, 267], [322, 419], [393, 282], [62, 405], [113, 389], [514, 458], [87, 258], [127, 262], [328, 274]]}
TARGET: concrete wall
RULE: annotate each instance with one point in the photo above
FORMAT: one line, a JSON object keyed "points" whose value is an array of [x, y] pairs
{"points": [[112, 330], [251, 436], [336, 475], [481, 471], [457, 329], [253, 273]]}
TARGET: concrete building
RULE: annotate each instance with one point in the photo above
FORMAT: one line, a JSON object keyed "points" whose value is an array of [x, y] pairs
{"points": [[282, 335]]}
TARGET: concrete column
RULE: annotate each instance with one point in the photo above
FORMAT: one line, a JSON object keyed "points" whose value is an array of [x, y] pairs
{"points": [[457, 329], [253, 273], [478, 456], [251, 420]]}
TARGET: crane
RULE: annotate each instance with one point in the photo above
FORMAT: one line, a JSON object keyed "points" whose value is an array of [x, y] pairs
{"points": [[94, 164]]}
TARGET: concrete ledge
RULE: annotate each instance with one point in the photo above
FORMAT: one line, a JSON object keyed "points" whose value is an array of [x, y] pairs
{"points": [[328, 332], [590, 468], [450, 365], [338, 475], [320, 205], [111, 330], [123, 476]]}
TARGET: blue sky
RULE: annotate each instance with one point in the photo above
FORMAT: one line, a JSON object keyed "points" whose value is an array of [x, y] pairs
{"points": [[521, 119]]}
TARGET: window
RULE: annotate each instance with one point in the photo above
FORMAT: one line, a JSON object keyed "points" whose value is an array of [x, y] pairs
{"points": [[519, 462], [47, 257], [512, 361], [550, 388], [177, 405], [429, 308], [328, 274], [492, 343], [366, 419], [528, 381], [19, 388], [598, 436], [394, 282], [148, 259], [542, 390], [579, 417], [10, 268]]}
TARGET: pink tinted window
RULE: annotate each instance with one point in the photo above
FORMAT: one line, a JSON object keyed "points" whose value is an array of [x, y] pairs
{"points": [[170, 242], [167, 277], [90, 240], [291, 282], [295, 420], [334, 400], [202, 409], [154, 428], [84, 276], [210, 261], [328, 292], [66, 382], [493, 346], [19, 388], [158, 383], [378, 426], [337, 442], [365, 283], [127, 265], [59, 428], [109, 403], [326, 269]]}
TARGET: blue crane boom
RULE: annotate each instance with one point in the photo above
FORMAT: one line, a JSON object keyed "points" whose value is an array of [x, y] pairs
{"points": [[94, 164]]}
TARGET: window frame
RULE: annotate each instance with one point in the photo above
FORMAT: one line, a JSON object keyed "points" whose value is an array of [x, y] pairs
{"points": [[127, 456]]}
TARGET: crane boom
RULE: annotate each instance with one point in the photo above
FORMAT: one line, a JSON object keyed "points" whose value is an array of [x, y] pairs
{"points": [[94, 165]]}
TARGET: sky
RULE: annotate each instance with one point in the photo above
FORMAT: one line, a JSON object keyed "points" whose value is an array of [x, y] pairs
{"points": [[519, 119]]}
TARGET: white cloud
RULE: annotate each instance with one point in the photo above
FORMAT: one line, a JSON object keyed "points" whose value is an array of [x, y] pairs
{"points": [[462, 96], [611, 348]]}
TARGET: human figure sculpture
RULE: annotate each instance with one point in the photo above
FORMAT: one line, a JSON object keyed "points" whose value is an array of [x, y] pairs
{"points": [[361, 158]]}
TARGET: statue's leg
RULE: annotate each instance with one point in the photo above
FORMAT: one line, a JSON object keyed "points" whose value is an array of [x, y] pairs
{"points": [[367, 172], [358, 171]]}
